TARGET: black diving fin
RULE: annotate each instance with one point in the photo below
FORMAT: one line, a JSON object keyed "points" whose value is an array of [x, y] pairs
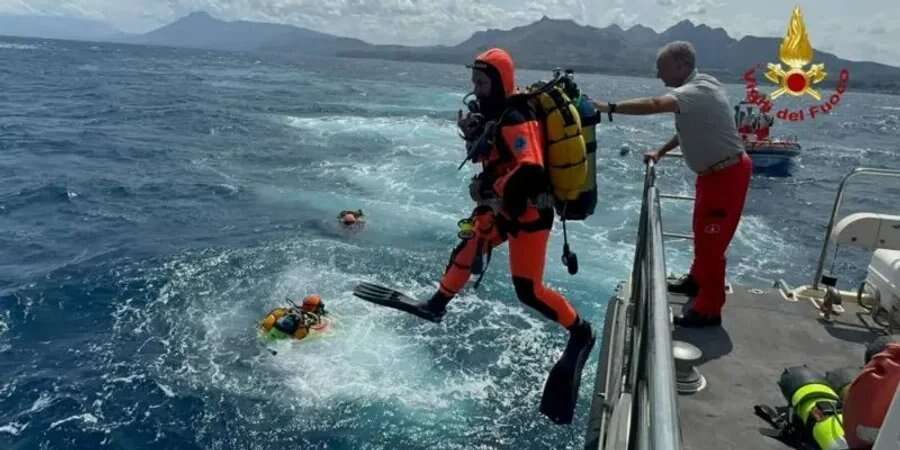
{"points": [[561, 390], [391, 298]]}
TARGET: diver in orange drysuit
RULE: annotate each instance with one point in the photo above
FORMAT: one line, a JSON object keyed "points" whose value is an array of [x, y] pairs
{"points": [[504, 134]]}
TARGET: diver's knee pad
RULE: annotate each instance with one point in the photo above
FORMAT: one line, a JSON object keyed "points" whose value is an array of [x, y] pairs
{"points": [[525, 290]]}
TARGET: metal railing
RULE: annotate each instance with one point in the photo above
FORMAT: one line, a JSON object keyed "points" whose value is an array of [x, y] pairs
{"points": [[642, 412], [838, 201], [652, 374]]}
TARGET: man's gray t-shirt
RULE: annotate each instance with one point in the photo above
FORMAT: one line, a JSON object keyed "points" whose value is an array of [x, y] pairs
{"points": [[706, 130]]}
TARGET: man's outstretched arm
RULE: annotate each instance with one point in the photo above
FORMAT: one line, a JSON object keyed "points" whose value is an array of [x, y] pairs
{"points": [[640, 106]]}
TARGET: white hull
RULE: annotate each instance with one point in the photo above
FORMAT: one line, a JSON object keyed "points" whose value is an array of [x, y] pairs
{"points": [[772, 155]]}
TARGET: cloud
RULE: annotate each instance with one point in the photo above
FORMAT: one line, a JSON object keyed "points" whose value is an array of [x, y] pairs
{"points": [[18, 7], [879, 26], [692, 9], [688, 9], [426, 22], [618, 16], [383, 21]]}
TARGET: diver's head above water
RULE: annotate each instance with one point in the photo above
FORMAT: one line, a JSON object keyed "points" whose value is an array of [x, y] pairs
{"points": [[313, 304], [351, 219]]}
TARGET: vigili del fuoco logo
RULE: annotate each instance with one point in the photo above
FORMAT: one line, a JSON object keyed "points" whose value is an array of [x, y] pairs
{"points": [[796, 80]]}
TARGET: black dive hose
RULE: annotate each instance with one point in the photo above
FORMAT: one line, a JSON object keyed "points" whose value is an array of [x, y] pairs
{"points": [[569, 258]]}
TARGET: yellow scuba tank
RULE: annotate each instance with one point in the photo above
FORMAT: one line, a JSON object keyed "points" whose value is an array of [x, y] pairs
{"points": [[571, 169], [566, 152], [275, 325], [269, 320], [583, 207], [815, 405], [571, 161]]}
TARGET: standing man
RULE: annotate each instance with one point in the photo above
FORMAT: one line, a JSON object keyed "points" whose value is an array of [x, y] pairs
{"points": [[709, 141]]}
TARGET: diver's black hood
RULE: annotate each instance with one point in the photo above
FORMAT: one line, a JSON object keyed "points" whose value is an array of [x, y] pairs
{"points": [[493, 105]]}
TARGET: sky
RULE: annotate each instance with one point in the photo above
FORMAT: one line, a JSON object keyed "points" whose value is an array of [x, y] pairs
{"points": [[865, 30]]}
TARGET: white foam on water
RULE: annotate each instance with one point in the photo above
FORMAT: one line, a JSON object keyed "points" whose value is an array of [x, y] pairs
{"points": [[86, 418], [126, 380], [396, 130], [14, 46], [767, 247], [43, 401], [13, 428], [4, 322], [374, 357], [416, 169], [166, 390]]}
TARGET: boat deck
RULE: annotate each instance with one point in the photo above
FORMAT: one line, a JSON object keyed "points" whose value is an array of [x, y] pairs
{"points": [[761, 335]]}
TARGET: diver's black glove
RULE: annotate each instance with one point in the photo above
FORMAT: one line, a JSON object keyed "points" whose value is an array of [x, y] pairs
{"points": [[471, 126], [481, 188], [526, 183]]}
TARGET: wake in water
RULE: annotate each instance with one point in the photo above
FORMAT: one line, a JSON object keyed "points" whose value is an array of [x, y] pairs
{"points": [[14, 46], [483, 361]]}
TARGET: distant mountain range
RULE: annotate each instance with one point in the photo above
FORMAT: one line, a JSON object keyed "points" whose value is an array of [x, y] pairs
{"points": [[544, 44], [549, 43], [54, 27], [200, 30]]}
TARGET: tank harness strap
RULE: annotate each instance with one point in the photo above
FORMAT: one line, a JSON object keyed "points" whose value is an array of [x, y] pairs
{"points": [[827, 409], [777, 418], [568, 117], [781, 420], [568, 165], [824, 409]]}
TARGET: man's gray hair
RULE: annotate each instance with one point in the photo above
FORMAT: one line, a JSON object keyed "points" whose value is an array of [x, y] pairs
{"points": [[680, 51]]}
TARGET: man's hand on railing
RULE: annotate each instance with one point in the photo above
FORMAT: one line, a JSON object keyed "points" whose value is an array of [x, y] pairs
{"points": [[652, 156], [656, 154]]}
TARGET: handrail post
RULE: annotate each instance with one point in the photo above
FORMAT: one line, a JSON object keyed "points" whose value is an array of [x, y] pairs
{"points": [[655, 423], [838, 200], [665, 431]]}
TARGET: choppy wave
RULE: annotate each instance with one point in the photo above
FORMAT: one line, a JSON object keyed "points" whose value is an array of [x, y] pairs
{"points": [[15, 46]]}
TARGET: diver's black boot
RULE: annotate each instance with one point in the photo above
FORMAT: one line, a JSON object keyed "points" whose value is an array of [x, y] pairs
{"points": [[561, 390], [432, 309], [435, 307], [581, 337], [685, 285]]}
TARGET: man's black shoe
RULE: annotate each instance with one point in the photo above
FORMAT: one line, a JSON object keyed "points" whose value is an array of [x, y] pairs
{"points": [[685, 286], [693, 319]]}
